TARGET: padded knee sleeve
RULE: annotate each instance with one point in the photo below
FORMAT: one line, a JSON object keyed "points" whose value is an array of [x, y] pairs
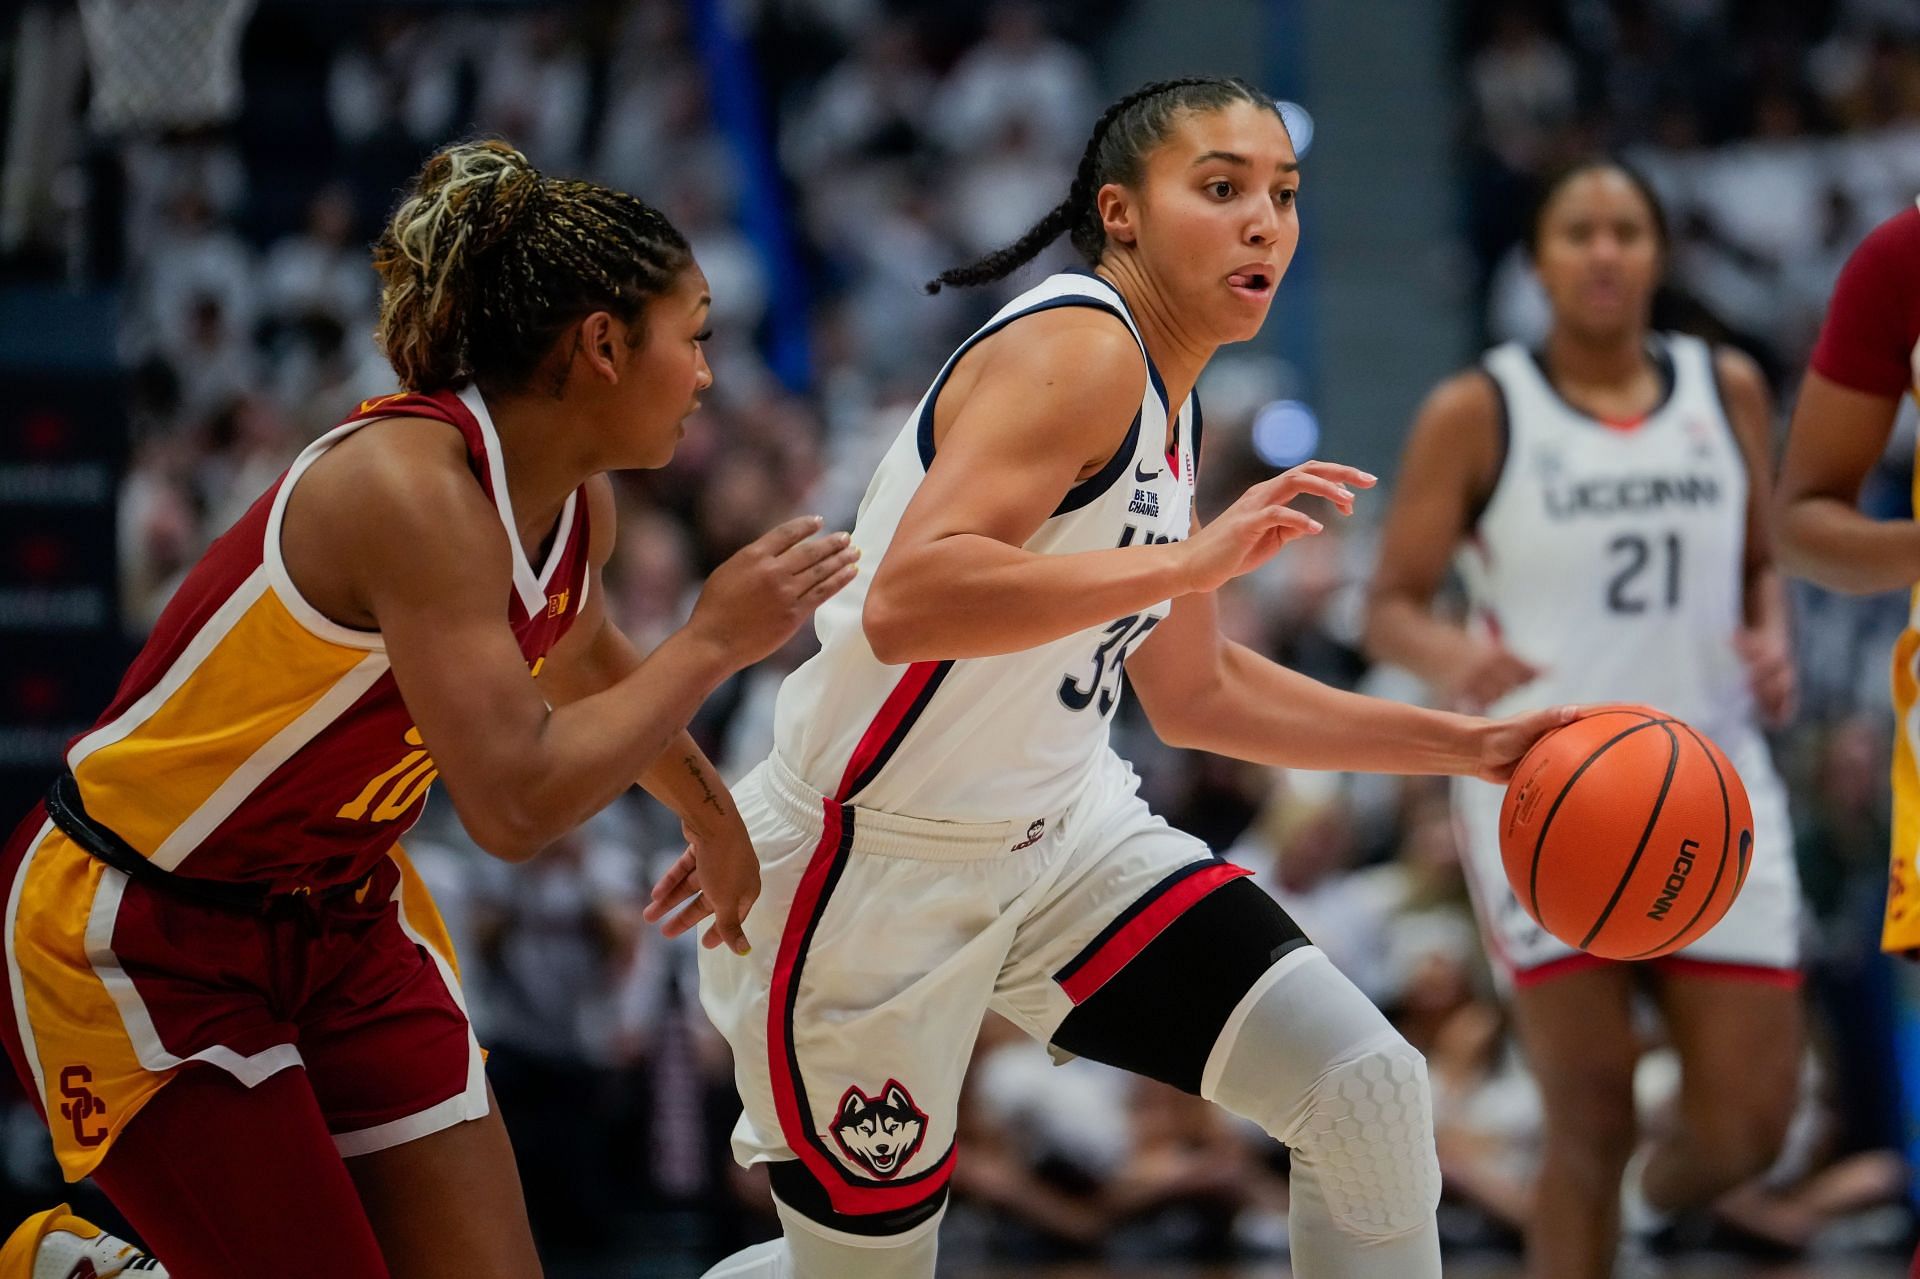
{"points": [[820, 1253], [1310, 1059]]}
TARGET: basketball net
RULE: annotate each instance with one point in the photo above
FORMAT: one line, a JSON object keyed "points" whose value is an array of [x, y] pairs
{"points": [[161, 65]]}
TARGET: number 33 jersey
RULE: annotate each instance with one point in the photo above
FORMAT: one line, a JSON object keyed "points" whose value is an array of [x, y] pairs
{"points": [[989, 738], [1609, 554]]}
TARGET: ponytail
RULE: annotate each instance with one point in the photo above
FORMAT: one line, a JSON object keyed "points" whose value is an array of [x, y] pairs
{"points": [[1122, 137]]}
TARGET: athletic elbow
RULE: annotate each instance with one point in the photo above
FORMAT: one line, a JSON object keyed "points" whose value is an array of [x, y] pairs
{"points": [[1177, 715], [1797, 550], [1175, 729], [887, 626], [506, 841], [505, 825]]}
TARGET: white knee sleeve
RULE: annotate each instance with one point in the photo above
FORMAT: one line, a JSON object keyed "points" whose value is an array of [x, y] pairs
{"points": [[809, 1250], [1308, 1057]]}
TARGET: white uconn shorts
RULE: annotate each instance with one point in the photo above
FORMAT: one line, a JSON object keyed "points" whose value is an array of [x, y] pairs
{"points": [[879, 942], [1759, 939]]}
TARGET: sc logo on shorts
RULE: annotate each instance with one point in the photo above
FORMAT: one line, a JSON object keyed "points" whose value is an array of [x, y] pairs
{"points": [[82, 1104]]}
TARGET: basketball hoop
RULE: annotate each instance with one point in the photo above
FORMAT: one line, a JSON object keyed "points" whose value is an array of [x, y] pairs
{"points": [[163, 65]]}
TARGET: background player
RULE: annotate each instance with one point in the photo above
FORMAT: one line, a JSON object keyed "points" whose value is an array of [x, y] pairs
{"points": [[1867, 358], [943, 828], [230, 993], [1604, 494]]}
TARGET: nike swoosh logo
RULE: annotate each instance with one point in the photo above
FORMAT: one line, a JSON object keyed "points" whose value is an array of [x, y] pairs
{"points": [[1141, 474]]}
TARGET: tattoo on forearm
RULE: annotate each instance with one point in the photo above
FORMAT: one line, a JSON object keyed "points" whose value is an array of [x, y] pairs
{"points": [[706, 788]]}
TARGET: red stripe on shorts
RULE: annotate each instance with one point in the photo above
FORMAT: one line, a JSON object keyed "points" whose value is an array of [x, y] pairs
{"points": [[1119, 950], [854, 1196]]}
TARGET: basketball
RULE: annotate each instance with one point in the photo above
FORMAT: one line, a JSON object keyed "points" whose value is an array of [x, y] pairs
{"points": [[1626, 833]]}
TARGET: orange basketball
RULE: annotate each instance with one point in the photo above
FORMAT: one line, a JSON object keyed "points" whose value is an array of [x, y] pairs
{"points": [[1626, 833]]}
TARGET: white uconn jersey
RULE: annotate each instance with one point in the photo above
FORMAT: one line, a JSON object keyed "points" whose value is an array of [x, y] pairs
{"points": [[987, 738], [1612, 558]]}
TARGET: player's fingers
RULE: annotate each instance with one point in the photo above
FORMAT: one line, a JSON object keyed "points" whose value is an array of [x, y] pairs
{"points": [[694, 911], [684, 872], [1518, 672], [1339, 494], [1291, 523], [1340, 472], [1534, 724], [802, 556], [726, 930], [827, 566], [676, 876], [821, 592], [781, 538], [659, 907], [1296, 483]]}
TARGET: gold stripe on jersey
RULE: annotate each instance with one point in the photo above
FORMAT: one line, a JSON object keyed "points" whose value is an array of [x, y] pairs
{"points": [[1901, 929], [262, 673]]}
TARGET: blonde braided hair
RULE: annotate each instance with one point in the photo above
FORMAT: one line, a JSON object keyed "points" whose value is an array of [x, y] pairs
{"points": [[485, 261]]}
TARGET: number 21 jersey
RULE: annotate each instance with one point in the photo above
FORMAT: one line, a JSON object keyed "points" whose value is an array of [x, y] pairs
{"points": [[1610, 555], [988, 738]]}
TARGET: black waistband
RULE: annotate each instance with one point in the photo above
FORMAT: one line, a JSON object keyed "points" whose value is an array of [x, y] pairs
{"points": [[70, 815]]}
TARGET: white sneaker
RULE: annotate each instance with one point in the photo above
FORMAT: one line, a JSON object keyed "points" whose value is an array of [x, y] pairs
{"points": [[58, 1245]]}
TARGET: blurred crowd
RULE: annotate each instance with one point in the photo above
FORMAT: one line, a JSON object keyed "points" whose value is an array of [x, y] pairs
{"points": [[1777, 133], [908, 140]]}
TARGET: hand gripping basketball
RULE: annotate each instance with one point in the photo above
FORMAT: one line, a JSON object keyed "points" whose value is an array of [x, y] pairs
{"points": [[1626, 833]]}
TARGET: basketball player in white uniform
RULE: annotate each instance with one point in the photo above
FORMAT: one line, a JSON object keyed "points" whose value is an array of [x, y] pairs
{"points": [[1604, 498], [943, 828]]}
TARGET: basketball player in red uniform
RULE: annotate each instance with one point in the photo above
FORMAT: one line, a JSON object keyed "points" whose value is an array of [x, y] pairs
{"points": [[1867, 358], [228, 991], [1605, 497]]}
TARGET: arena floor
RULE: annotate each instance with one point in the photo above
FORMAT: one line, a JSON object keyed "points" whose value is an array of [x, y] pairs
{"points": [[1691, 1268]]}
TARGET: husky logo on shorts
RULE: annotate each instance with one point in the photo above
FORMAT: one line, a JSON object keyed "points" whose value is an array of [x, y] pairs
{"points": [[881, 1133]]}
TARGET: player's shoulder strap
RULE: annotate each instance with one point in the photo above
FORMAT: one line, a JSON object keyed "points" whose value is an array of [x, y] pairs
{"points": [[1064, 289], [449, 406], [1691, 355]]}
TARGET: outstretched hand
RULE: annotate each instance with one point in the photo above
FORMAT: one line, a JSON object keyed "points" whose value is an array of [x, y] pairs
{"points": [[1252, 530], [757, 599]]}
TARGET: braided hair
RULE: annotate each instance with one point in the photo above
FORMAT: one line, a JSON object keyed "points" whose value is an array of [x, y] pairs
{"points": [[1124, 135], [486, 261]]}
